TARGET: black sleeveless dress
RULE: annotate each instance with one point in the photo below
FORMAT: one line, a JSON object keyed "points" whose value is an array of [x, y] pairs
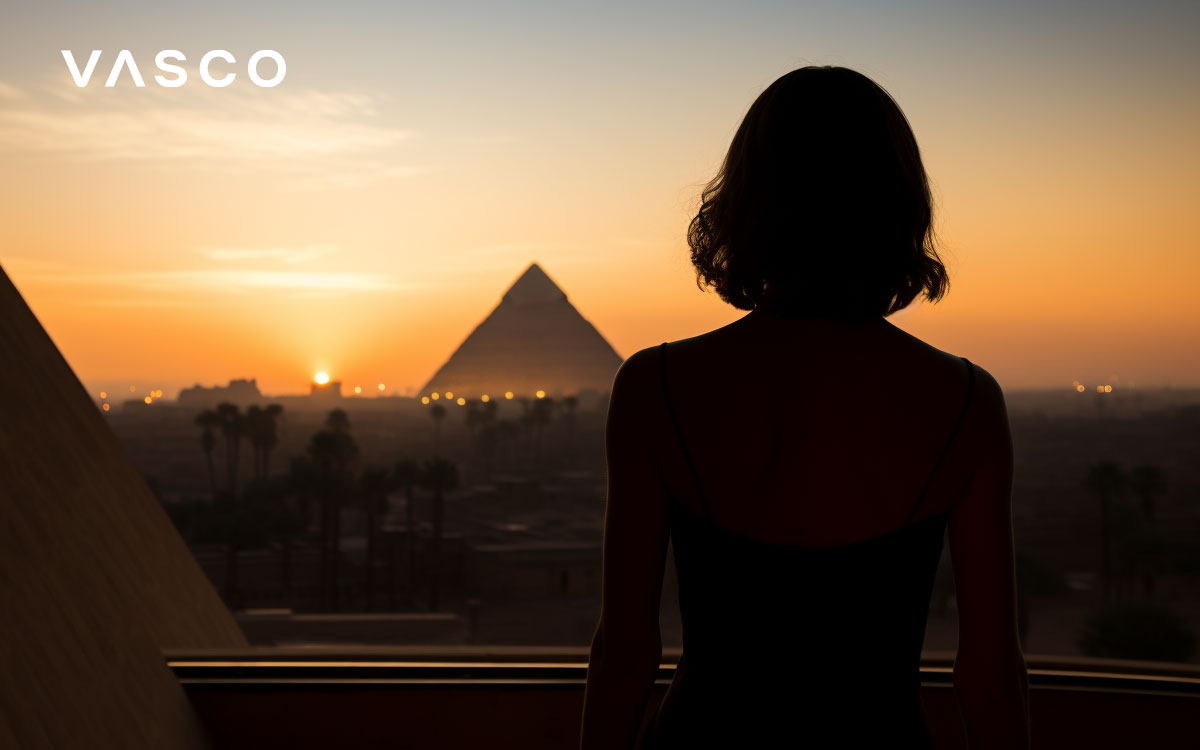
{"points": [[789, 646]]}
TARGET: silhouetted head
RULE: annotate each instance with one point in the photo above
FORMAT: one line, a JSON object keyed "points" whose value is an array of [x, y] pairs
{"points": [[822, 206]]}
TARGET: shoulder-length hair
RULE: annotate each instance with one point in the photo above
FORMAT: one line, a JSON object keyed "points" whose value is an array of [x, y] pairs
{"points": [[822, 205]]}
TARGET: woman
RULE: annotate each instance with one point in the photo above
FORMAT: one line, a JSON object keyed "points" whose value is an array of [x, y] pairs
{"points": [[806, 461]]}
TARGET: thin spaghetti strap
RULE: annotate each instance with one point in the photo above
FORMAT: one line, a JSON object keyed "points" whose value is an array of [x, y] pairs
{"points": [[662, 367], [949, 441]]}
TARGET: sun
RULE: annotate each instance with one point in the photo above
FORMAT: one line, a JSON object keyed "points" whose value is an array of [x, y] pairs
{"points": [[321, 378]]}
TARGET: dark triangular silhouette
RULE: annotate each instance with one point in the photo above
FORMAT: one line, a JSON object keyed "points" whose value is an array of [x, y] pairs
{"points": [[96, 580], [533, 340]]}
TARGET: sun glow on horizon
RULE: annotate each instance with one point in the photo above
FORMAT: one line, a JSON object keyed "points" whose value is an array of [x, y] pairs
{"points": [[321, 378]]}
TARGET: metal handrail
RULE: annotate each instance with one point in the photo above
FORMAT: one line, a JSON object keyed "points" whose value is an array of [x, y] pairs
{"points": [[568, 667]]}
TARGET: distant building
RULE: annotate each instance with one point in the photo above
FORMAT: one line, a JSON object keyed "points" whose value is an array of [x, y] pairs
{"points": [[241, 392], [534, 340], [534, 570], [331, 391]]}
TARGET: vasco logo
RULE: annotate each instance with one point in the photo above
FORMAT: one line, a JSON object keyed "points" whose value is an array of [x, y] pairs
{"points": [[161, 61]]}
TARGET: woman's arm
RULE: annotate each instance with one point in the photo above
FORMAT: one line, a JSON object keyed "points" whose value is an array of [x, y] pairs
{"points": [[627, 646], [990, 680]]}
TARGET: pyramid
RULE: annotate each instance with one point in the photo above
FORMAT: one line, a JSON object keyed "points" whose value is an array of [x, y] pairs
{"points": [[96, 580], [533, 340]]}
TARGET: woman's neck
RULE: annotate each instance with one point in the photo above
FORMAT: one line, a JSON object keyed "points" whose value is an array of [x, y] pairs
{"points": [[766, 318]]}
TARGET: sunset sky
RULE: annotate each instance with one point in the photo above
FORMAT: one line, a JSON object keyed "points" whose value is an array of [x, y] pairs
{"points": [[364, 215]]}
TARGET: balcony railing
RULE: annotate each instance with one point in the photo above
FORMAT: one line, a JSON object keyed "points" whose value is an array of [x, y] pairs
{"points": [[530, 698]]}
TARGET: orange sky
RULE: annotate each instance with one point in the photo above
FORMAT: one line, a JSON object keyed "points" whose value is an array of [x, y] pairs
{"points": [[363, 216]]}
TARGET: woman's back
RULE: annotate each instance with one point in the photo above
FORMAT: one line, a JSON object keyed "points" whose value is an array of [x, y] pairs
{"points": [[801, 616], [812, 432]]}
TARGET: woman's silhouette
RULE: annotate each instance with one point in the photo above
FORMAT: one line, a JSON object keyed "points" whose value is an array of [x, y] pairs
{"points": [[807, 460]]}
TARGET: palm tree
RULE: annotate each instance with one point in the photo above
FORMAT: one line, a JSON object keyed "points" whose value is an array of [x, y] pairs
{"points": [[527, 423], [1148, 483], [489, 436], [480, 419], [225, 511], [1105, 480], [289, 523], [438, 413], [508, 433], [264, 516], [239, 523], [333, 451], [270, 435], [473, 417], [254, 433], [542, 411], [338, 420], [374, 485], [209, 421], [405, 474], [304, 480], [232, 427], [488, 411], [440, 477], [569, 405], [261, 430]]}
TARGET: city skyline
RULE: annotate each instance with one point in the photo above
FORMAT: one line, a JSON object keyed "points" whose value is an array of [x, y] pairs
{"points": [[368, 388], [116, 390]]}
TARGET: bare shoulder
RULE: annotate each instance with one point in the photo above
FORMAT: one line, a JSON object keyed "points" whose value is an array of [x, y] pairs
{"points": [[986, 419], [634, 394], [923, 353], [636, 375], [986, 386]]}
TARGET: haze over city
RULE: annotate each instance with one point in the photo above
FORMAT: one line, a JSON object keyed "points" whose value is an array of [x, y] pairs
{"points": [[361, 218]]}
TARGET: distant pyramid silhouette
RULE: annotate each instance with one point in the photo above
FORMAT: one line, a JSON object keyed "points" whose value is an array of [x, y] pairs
{"points": [[533, 340]]}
